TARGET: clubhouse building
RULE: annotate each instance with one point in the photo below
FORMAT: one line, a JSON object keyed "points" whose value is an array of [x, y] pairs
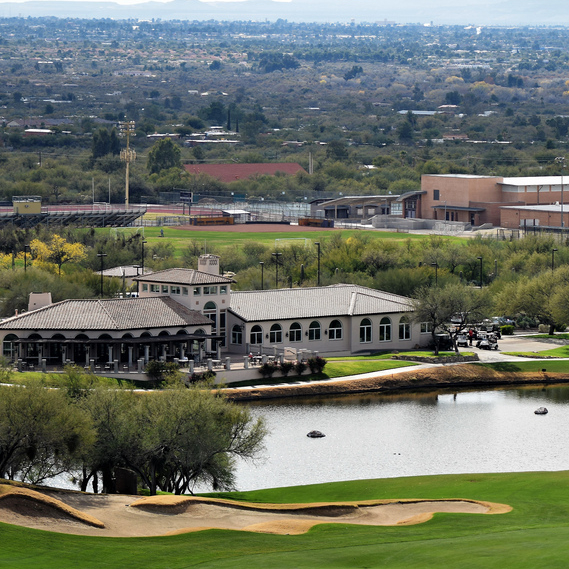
{"points": [[188, 314]]}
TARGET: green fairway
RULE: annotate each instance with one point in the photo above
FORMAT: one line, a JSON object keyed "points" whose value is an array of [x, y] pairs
{"points": [[534, 534], [220, 240]]}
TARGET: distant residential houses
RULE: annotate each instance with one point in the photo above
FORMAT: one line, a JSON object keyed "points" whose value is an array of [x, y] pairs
{"points": [[37, 123], [214, 135]]}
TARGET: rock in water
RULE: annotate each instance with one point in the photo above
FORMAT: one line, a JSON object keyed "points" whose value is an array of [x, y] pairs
{"points": [[541, 411], [315, 435]]}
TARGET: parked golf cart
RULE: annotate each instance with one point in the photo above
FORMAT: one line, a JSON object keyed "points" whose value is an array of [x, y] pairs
{"points": [[487, 341], [462, 341]]}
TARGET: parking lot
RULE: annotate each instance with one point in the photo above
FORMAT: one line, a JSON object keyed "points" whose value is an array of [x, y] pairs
{"points": [[512, 344]]}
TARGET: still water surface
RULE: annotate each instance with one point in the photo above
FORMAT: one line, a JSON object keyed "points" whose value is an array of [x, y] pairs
{"points": [[380, 436]]}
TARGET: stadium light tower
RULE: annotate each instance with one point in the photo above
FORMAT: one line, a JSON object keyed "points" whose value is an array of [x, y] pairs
{"points": [[126, 128]]}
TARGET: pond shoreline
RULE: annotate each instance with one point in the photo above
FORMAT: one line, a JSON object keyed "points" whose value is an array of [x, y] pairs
{"points": [[464, 375]]}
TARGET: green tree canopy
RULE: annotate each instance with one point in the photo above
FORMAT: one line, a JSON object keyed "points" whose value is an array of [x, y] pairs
{"points": [[105, 142], [438, 305], [163, 155]]}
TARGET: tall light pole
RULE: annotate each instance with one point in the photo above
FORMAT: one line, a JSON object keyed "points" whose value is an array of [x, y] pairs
{"points": [[262, 275], [276, 256], [553, 259], [318, 245], [142, 244], [101, 256], [126, 128], [561, 160], [480, 259], [436, 265], [26, 251]]}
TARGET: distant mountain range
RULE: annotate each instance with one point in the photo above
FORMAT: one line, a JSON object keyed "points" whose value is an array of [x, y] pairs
{"points": [[481, 12]]}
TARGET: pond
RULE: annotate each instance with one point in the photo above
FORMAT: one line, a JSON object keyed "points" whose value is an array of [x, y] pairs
{"points": [[379, 436]]}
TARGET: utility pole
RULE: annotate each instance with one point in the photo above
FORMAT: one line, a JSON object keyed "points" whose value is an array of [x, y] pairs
{"points": [[277, 261], [101, 256], [126, 128], [27, 250], [318, 245], [561, 160], [143, 242]]}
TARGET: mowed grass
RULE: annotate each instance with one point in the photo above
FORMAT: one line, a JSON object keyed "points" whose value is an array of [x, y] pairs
{"points": [[535, 534], [561, 352], [390, 354], [220, 240], [344, 368], [332, 370], [59, 380]]}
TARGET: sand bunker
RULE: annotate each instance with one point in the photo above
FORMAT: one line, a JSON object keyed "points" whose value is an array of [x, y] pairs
{"points": [[132, 516]]}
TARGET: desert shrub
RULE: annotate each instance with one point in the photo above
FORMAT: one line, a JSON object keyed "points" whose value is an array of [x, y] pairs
{"points": [[286, 368], [167, 372], [316, 364], [198, 377], [299, 368], [507, 330], [525, 322], [268, 369]]}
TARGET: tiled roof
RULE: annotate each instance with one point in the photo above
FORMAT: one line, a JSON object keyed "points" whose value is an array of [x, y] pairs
{"points": [[231, 172], [127, 271], [184, 277], [111, 315], [336, 300]]}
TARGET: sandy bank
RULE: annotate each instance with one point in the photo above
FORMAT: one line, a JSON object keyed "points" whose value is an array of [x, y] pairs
{"points": [[434, 377]]}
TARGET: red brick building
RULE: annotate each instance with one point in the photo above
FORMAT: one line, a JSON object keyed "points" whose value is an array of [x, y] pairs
{"points": [[506, 202]]}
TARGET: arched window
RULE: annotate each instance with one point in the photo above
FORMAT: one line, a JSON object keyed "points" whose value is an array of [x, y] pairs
{"points": [[256, 336], [314, 331], [295, 332], [210, 310], [335, 330], [9, 349], [236, 335], [404, 328], [276, 334], [385, 330], [365, 331]]}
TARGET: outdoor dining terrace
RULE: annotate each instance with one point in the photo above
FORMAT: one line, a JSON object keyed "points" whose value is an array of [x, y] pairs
{"points": [[229, 367]]}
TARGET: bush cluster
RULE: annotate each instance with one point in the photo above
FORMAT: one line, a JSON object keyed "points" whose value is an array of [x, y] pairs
{"points": [[315, 364]]}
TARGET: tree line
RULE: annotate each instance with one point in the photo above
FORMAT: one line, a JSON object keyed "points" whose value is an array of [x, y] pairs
{"points": [[171, 439]]}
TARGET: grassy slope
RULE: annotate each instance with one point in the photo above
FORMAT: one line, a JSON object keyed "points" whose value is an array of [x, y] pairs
{"points": [[534, 534]]}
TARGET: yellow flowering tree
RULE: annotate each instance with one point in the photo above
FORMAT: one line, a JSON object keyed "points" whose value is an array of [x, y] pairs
{"points": [[5, 261], [57, 251]]}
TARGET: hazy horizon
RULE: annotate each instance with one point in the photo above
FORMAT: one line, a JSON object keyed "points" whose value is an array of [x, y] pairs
{"points": [[437, 12]]}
